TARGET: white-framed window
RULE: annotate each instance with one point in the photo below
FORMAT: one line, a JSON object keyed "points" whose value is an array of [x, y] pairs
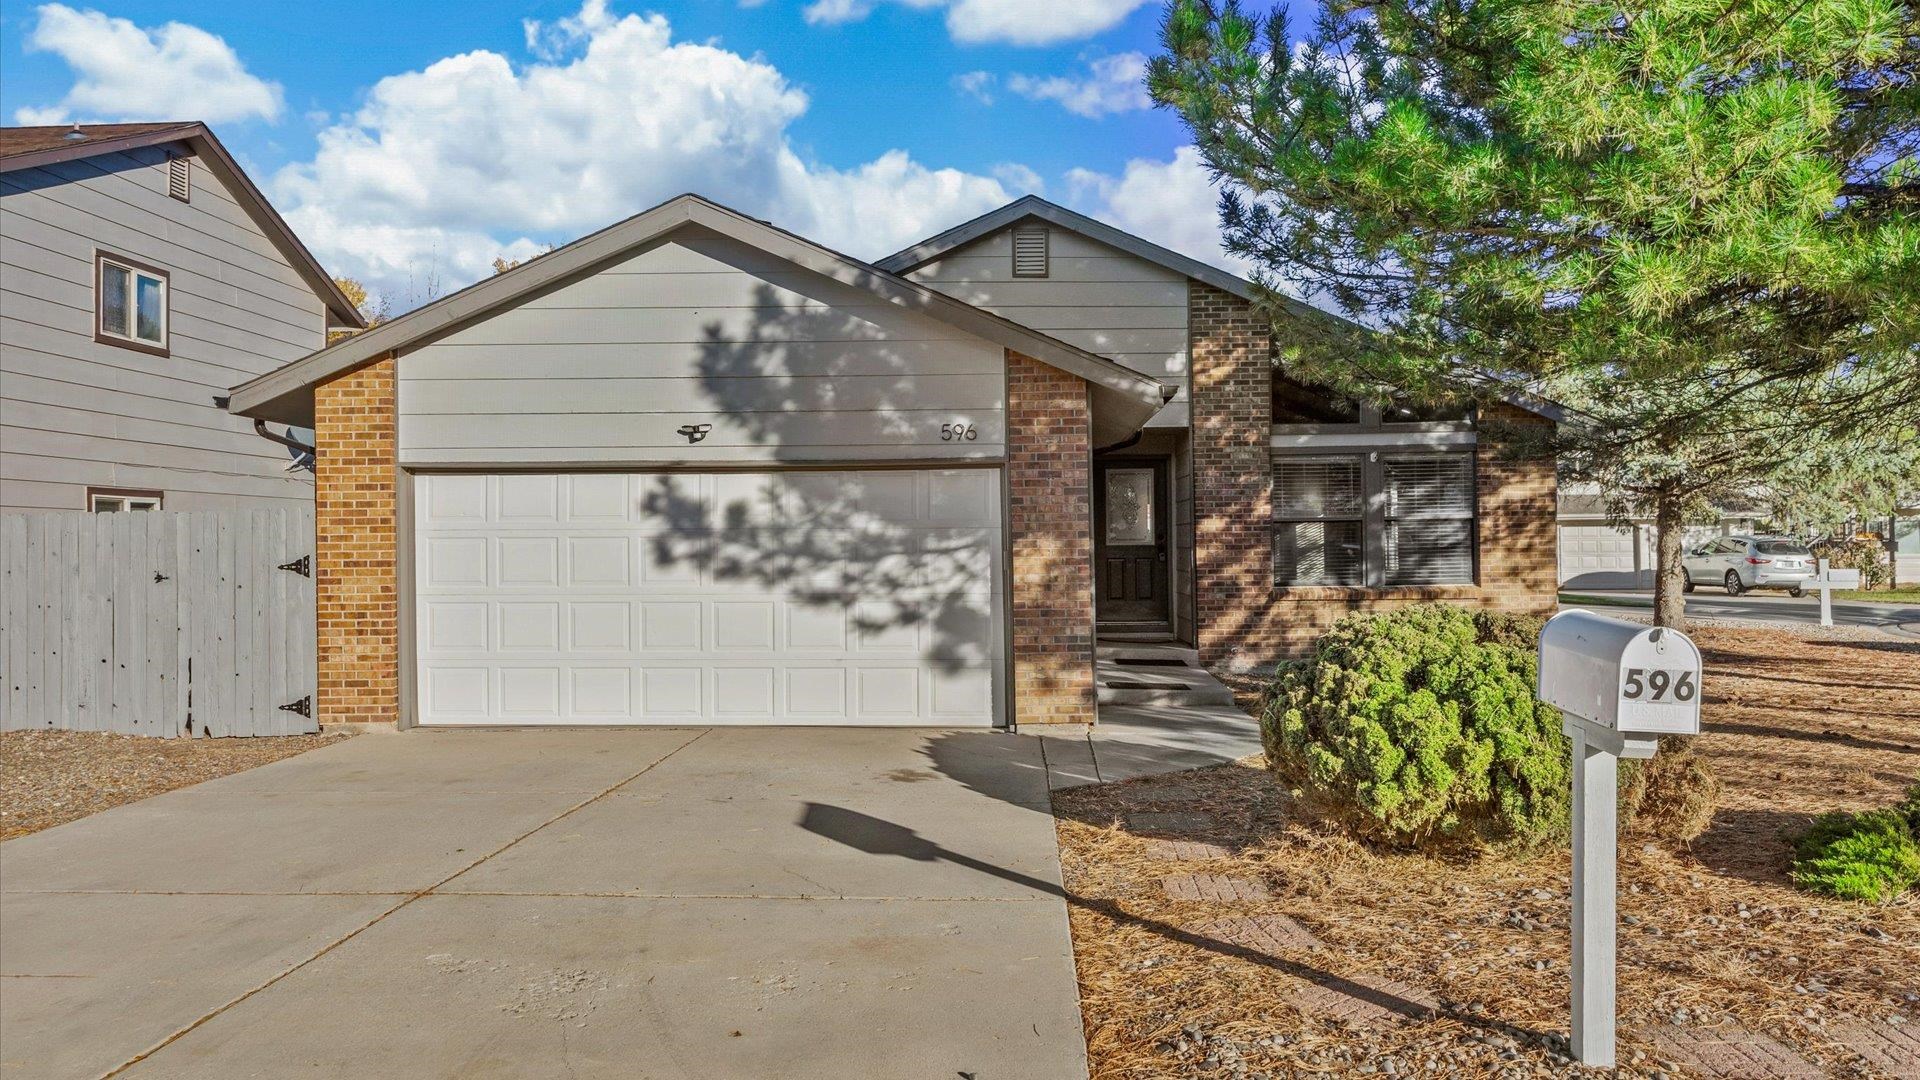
{"points": [[1374, 519], [119, 500], [131, 304]]}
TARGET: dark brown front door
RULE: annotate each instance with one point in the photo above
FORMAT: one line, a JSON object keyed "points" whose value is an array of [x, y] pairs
{"points": [[1130, 540]]}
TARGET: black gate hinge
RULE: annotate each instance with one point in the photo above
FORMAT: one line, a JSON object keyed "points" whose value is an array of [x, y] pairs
{"points": [[304, 707], [302, 566]]}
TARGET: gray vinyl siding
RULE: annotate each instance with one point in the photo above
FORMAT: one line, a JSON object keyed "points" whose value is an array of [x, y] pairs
{"points": [[786, 365], [1097, 297], [75, 413]]}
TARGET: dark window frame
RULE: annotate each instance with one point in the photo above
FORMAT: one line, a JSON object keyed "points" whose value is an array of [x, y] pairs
{"points": [[135, 267], [1374, 516]]}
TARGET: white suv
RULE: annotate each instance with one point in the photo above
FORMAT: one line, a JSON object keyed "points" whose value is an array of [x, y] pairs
{"points": [[1739, 563]]}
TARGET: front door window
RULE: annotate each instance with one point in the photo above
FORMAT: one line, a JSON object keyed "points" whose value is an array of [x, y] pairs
{"points": [[1130, 516]]}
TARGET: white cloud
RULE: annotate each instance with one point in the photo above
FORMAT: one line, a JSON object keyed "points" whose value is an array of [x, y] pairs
{"points": [[1016, 22], [1113, 84], [123, 72], [480, 157], [1018, 178], [976, 84], [1172, 203]]}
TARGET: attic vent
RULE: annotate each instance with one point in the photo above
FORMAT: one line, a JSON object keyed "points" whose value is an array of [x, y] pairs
{"points": [[1030, 251], [180, 179]]}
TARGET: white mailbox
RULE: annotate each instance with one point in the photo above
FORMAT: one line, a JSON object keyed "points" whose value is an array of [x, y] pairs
{"points": [[1619, 686], [1621, 676]]}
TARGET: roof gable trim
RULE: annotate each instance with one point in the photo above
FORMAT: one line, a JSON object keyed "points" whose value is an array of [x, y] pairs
{"points": [[583, 256]]}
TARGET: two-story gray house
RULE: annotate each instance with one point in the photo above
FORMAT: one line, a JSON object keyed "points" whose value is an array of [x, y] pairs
{"points": [[141, 274]]}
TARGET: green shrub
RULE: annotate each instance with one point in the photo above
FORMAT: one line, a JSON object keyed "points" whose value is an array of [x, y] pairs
{"points": [[1870, 856], [1419, 727], [1412, 729], [1909, 808]]}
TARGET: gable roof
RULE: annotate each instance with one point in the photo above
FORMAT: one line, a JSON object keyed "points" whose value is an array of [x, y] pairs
{"points": [[36, 147], [1125, 396], [908, 259], [1033, 206]]}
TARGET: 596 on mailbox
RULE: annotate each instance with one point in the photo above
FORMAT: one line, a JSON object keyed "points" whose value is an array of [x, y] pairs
{"points": [[1658, 684]]}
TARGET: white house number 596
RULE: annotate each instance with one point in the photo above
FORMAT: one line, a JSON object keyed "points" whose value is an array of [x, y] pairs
{"points": [[1658, 684], [958, 432]]}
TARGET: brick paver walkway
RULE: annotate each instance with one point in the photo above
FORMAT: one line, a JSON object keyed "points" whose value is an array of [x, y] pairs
{"points": [[1169, 822], [1728, 1052], [1186, 850], [1212, 887], [1269, 934], [1366, 999], [1894, 1049]]}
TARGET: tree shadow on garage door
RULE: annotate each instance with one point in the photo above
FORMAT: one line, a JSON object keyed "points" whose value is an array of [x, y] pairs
{"points": [[802, 378]]}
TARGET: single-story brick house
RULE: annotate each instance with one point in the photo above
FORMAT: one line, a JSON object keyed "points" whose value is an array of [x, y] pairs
{"points": [[696, 469]]}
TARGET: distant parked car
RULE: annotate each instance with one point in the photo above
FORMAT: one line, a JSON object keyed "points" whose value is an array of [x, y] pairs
{"points": [[1739, 563]]}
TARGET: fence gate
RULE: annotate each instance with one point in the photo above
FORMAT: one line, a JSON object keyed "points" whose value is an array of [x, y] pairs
{"points": [[158, 622]]}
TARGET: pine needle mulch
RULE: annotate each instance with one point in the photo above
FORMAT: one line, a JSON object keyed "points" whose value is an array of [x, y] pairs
{"points": [[1711, 936]]}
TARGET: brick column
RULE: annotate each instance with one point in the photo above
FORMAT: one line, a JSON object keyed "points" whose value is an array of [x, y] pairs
{"points": [[1518, 504], [1050, 519], [355, 507], [1230, 357]]}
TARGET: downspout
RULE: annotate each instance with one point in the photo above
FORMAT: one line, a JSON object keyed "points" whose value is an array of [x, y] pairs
{"points": [[260, 429]]}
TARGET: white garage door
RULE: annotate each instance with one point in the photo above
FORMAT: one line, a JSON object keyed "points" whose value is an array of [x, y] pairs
{"points": [[1600, 553], [868, 597]]}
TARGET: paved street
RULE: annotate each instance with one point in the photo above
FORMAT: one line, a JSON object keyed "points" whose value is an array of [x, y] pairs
{"points": [[1902, 618]]}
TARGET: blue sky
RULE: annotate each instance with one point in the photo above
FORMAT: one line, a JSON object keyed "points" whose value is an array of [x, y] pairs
{"points": [[411, 142]]}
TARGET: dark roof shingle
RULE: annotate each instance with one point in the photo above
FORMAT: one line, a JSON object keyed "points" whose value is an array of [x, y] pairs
{"points": [[29, 140]]}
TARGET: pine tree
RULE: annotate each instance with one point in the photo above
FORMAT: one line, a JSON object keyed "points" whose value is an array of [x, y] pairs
{"points": [[1683, 217]]}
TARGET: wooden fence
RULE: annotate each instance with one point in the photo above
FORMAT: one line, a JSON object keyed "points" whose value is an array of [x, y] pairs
{"points": [[158, 623]]}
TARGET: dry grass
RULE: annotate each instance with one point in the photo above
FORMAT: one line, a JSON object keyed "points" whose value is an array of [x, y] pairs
{"points": [[48, 778], [1709, 935]]}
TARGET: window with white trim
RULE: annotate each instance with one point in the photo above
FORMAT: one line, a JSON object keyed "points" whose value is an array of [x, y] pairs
{"points": [[118, 502], [1373, 519], [131, 303]]}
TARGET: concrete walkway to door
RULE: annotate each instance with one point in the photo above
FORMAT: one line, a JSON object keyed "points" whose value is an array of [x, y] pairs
{"points": [[663, 903]]}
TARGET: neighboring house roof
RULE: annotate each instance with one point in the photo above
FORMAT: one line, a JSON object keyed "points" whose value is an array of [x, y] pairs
{"points": [[35, 147], [281, 394]]}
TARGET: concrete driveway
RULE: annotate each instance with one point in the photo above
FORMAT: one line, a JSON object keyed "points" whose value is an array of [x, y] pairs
{"points": [[662, 903]]}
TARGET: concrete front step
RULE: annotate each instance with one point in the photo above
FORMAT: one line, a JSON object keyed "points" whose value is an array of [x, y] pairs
{"points": [[1147, 650], [1156, 684]]}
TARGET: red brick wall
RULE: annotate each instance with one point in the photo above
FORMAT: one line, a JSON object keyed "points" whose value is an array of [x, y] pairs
{"points": [[357, 592], [1232, 393], [1049, 464], [1244, 620]]}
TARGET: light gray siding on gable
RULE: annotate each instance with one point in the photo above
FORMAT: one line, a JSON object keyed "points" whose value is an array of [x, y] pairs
{"points": [[1094, 296], [75, 413], [785, 365]]}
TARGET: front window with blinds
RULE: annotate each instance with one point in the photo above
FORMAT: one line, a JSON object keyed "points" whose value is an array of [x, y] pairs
{"points": [[1373, 520], [1428, 539], [1319, 512]]}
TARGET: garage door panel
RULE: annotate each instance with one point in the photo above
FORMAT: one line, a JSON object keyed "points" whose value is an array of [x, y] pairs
{"points": [[535, 606]]}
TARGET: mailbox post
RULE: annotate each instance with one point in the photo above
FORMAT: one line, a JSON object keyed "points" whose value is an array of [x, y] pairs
{"points": [[1827, 580], [1619, 686]]}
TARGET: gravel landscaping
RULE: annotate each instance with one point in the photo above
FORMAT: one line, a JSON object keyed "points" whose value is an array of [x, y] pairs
{"points": [[1356, 960], [48, 778]]}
